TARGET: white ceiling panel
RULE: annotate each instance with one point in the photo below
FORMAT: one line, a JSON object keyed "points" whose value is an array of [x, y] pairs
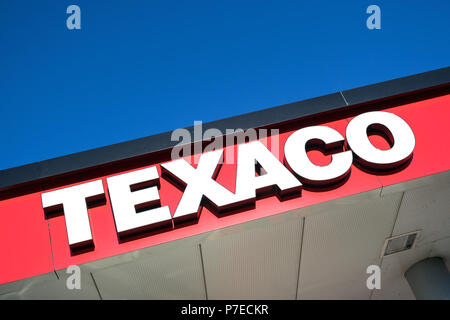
{"points": [[51, 287], [174, 274], [341, 239], [259, 262], [19, 285], [426, 209]]}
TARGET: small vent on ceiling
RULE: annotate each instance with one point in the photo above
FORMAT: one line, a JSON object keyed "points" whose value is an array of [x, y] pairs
{"points": [[400, 243]]}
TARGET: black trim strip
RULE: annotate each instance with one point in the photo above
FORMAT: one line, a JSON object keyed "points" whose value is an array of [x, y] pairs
{"points": [[10, 178], [397, 87]]}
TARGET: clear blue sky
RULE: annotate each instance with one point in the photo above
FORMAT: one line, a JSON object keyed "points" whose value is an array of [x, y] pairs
{"points": [[137, 68]]}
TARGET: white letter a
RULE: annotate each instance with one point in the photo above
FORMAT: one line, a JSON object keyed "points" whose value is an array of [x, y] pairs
{"points": [[374, 280], [74, 20], [374, 21]]}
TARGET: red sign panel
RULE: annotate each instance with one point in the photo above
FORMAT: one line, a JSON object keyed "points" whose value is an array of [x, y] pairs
{"points": [[36, 242]]}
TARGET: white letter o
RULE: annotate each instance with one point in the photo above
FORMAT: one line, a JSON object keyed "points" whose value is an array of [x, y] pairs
{"points": [[370, 156]]}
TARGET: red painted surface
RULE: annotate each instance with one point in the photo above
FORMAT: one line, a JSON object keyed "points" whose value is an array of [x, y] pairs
{"points": [[430, 121], [25, 245], [24, 239]]}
